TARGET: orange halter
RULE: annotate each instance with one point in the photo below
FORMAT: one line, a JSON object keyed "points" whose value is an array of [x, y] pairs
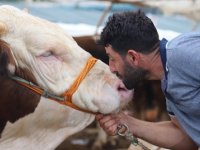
{"points": [[66, 98]]}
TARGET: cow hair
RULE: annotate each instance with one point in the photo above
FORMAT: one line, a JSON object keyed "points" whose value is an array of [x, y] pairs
{"points": [[16, 101]]}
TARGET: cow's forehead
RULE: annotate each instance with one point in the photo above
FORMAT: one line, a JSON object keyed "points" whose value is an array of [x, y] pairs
{"points": [[16, 19], [33, 30]]}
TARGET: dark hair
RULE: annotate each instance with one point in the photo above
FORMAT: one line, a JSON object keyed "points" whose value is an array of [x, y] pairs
{"points": [[130, 30]]}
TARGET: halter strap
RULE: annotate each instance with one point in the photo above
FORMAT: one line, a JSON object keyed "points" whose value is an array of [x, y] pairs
{"points": [[90, 63], [66, 98]]}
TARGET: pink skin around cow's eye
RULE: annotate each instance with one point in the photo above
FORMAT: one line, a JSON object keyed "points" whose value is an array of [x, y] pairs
{"points": [[50, 58], [50, 63]]}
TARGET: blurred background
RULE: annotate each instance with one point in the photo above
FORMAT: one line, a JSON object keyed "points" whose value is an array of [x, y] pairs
{"points": [[175, 15], [84, 20]]}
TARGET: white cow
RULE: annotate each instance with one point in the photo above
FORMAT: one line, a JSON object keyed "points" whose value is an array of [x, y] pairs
{"points": [[39, 51]]}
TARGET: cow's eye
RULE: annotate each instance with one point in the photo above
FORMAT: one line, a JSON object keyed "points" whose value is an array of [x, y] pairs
{"points": [[47, 54]]}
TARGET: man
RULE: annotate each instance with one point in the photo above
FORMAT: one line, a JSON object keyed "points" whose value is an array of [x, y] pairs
{"points": [[136, 53]]}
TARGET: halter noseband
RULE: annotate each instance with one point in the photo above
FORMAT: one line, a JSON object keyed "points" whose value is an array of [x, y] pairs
{"points": [[66, 98]]}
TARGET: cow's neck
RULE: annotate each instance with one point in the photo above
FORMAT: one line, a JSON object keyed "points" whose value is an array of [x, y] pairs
{"points": [[47, 127]]}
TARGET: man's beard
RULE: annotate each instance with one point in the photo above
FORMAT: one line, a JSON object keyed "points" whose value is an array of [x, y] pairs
{"points": [[132, 76]]}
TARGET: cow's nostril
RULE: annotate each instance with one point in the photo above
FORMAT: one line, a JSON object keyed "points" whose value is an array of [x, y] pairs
{"points": [[121, 86]]}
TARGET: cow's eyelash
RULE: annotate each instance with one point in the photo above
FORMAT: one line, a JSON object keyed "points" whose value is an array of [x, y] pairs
{"points": [[47, 54]]}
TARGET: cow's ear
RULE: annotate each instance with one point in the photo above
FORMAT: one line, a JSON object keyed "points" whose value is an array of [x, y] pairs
{"points": [[3, 28], [4, 59], [7, 62]]}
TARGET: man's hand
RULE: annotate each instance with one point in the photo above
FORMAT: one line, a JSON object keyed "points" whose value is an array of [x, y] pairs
{"points": [[164, 134], [110, 122]]}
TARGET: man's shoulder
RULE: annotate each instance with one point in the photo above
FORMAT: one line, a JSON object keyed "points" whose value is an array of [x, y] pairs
{"points": [[184, 48], [184, 40]]}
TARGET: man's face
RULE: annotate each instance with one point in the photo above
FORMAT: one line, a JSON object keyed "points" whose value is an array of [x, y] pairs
{"points": [[129, 74]]}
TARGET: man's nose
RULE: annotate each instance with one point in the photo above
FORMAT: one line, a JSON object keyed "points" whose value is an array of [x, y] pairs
{"points": [[112, 67]]}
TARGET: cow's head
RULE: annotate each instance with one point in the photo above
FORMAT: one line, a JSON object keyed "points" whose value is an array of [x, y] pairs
{"points": [[41, 52]]}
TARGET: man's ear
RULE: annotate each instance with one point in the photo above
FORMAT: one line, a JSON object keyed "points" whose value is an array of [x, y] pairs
{"points": [[133, 57]]}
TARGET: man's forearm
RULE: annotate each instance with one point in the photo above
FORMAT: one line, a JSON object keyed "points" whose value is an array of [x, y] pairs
{"points": [[165, 134]]}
